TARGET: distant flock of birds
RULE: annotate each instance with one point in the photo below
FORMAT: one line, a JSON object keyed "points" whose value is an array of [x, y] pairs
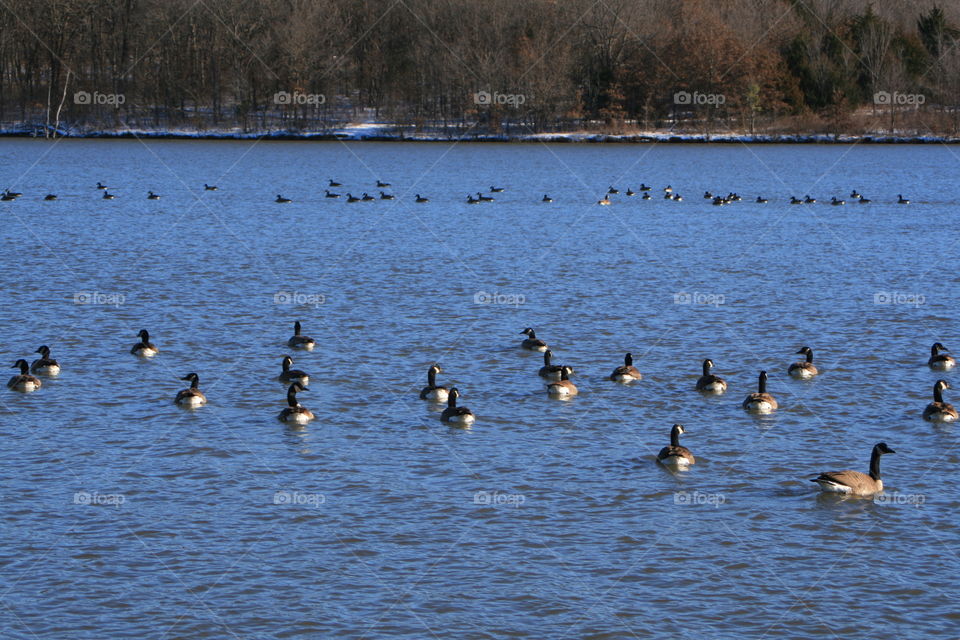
{"points": [[668, 194], [558, 385]]}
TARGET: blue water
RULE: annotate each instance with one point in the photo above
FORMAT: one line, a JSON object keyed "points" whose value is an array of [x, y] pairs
{"points": [[125, 516]]}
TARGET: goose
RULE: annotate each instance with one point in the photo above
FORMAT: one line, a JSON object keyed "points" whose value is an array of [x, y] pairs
{"points": [[612, 191], [546, 198], [709, 383], [644, 187], [367, 197], [707, 195], [626, 372], [902, 200], [455, 414], [562, 388], [531, 342], [382, 185], [760, 402], [422, 199], [761, 200], [938, 410], [836, 202], [677, 197], [24, 382], [328, 194], [631, 192], [45, 365], [192, 396], [387, 196], [795, 200], [939, 361], [668, 196], [809, 200], [7, 197], [152, 196], [295, 412], [333, 184], [856, 483], [12, 194], [668, 189], [292, 375], [483, 198], [352, 198], [719, 202], [803, 370], [864, 200], [496, 189], [854, 194], [298, 341], [552, 371], [647, 196], [432, 391], [604, 201], [101, 186], [676, 455], [144, 348], [281, 200], [209, 187], [50, 196], [108, 196], [472, 200], [734, 197]]}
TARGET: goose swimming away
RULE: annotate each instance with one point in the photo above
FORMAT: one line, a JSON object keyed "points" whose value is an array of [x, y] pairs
{"points": [[940, 361], [902, 200], [647, 196], [613, 191], [836, 202], [631, 192], [454, 414], [626, 372], [676, 455], [433, 391], [45, 365], [292, 375], [144, 348], [938, 410], [108, 196], [295, 413], [281, 200], [209, 187], [562, 388], [298, 341], [604, 201], [707, 195], [760, 402], [552, 371], [152, 196], [709, 383], [803, 370], [856, 483], [531, 342], [546, 198], [192, 396], [761, 200], [24, 382], [496, 189]]}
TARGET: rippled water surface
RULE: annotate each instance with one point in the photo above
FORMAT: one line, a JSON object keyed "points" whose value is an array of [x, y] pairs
{"points": [[124, 516]]}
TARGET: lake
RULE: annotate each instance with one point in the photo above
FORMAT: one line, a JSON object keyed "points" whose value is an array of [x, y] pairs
{"points": [[125, 516]]}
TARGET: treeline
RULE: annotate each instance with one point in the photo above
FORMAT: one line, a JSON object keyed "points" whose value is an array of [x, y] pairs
{"points": [[844, 66]]}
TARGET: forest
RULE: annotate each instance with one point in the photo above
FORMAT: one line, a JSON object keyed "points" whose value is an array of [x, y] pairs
{"points": [[468, 67]]}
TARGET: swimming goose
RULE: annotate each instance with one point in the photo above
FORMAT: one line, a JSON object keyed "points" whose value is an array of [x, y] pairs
{"points": [[902, 200], [108, 196], [483, 198], [295, 412], [433, 391], [668, 196], [939, 361], [795, 200], [455, 414], [803, 370], [101, 186], [352, 198], [50, 196], [631, 192], [422, 199], [938, 410], [24, 382], [854, 194], [144, 348], [45, 365], [626, 372], [333, 184], [677, 197], [613, 191], [382, 185], [472, 200], [496, 189], [152, 196], [367, 197], [6, 197], [647, 196], [644, 187], [864, 200], [386, 196], [676, 455], [809, 200], [12, 194], [603, 201], [668, 189], [552, 371], [546, 198], [298, 341], [292, 375], [734, 197], [191, 397], [761, 200], [856, 483], [531, 342], [709, 383], [718, 201], [328, 194], [707, 195], [562, 388], [760, 402], [209, 187], [281, 200], [836, 202]]}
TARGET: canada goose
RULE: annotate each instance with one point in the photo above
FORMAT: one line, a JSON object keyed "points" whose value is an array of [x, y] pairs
{"points": [[939, 361], [938, 410], [644, 187], [333, 184], [795, 200], [298, 341], [108, 196], [803, 370], [677, 197], [472, 200], [854, 194], [709, 383], [281, 200], [552, 371], [531, 342], [836, 202], [496, 189], [734, 197], [719, 202], [760, 402], [647, 196], [432, 391], [761, 200], [902, 200], [101, 186], [562, 388], [12, 194], [381, 185], [23, 382], [668, 196], [668, 189], [387, 196], [455, 414], [209, 187], [864, 200], [50, 196], [352, 198], [854, 482], [191, 397], [422, 199], [707, 195], [483, 198], [295, 412], [546, 198], [45, 365], [613, 191], [144, 348], [292, 375], [152, 196], [676, 455], [604, 201], [631, 192], [328, 194], [626, 372], [367, 197], [809, 200]]}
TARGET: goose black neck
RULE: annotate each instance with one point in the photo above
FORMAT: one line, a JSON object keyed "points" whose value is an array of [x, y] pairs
{"points": [[547, 356], [24, 368], [875, 463], [432, 377], [452, 401], [286, 365], [810, 356], [937, 393], [628, 360], [762, 385], [706, 367], [675, 437], [292, 398], [934, 351], [296, 328], [195, 382]]}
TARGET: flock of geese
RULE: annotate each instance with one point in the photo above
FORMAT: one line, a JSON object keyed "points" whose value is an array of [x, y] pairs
{"points": [[558, 385], [719, 201]]}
